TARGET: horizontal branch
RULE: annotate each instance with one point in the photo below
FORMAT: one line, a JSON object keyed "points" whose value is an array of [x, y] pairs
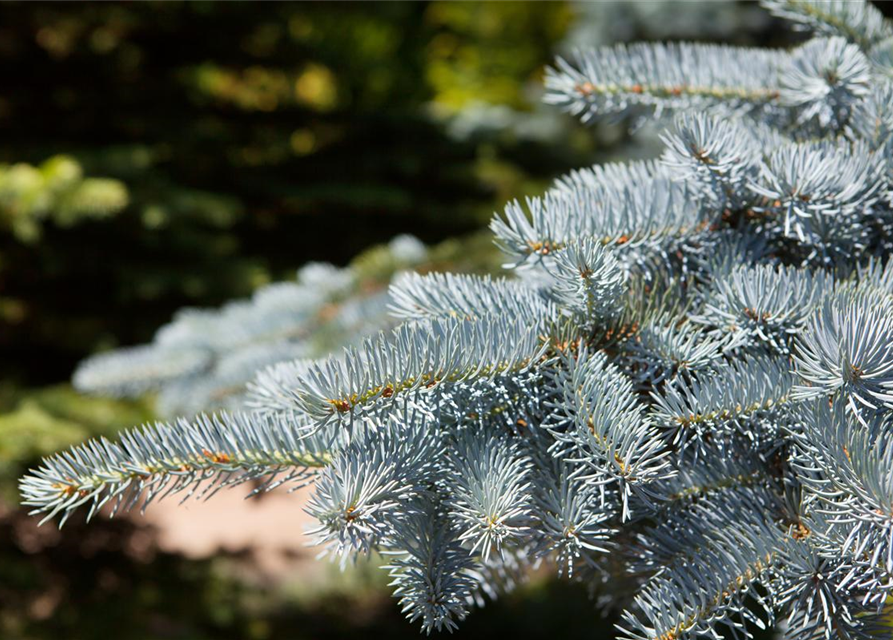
{"points": [[614, 81], [163, 459]]}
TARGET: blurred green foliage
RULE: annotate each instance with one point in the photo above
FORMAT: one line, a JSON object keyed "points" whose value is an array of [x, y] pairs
{"points": [[251, 138], [491, 52], [55, 190]]}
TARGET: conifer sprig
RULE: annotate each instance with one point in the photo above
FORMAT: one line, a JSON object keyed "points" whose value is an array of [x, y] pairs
{"points": [[192, 457]]}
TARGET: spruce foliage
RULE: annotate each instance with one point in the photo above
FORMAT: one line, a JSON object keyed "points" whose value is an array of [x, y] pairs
{"points": [[683, 399]]}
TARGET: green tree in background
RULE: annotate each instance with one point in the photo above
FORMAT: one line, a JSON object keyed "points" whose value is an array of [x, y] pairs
{"points": [[251, 138]]}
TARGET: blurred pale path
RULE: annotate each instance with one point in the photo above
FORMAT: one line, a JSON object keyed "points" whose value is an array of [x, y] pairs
{"points": [[271, 527]]}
